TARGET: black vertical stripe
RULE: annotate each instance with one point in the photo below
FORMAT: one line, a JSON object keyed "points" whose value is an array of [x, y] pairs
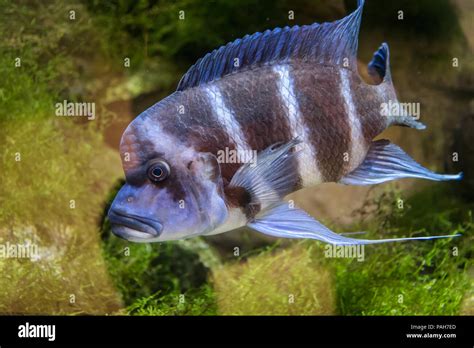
{"points": [[322, 106], [368, 105], [254, 97]]}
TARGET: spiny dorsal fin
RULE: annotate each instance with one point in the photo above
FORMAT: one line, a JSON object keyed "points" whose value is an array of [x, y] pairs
{"points": [[379, 66], [327, 43]]}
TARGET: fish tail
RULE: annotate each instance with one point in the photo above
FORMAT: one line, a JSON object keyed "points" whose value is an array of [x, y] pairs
{"points": [[379, 70]]}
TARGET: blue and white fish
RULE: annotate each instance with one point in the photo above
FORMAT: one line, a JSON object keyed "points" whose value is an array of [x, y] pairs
{"points": [[292, 95]]}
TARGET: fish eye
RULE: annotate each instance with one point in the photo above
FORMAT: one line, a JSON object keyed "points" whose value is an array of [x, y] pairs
{"points": [[158, 171]]}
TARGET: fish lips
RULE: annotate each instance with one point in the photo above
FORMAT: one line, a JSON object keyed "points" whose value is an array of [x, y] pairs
{"points": [[134, 228]]}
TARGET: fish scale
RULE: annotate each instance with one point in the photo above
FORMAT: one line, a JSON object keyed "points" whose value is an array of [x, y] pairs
{"points": [[253, 97], [297, 100], [325, 117]]}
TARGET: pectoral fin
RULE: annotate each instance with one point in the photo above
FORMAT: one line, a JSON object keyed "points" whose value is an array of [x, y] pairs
{"points": [[386, 161], [285, 222], [272, 176]]}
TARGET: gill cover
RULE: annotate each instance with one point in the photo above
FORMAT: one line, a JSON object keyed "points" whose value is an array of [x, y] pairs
{"points": [[209, 193]]}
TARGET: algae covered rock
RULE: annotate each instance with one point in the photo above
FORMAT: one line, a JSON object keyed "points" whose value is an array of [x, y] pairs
{"points": [[288, 282]]}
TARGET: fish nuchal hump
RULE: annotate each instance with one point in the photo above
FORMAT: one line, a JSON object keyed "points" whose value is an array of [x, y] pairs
{"points": [[307, 165]]}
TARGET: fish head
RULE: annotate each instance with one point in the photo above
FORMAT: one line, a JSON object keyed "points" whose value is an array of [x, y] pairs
{"points": [[171, 192]]}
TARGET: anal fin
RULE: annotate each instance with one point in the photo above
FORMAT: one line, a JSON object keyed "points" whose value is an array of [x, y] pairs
{"points": [[386, 161]]}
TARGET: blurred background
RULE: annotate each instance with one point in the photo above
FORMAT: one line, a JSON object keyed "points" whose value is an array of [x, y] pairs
{"points": [[58, 174]]}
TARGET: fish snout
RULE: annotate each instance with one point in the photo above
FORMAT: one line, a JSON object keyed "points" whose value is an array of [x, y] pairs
{"points": [[133, 227]]}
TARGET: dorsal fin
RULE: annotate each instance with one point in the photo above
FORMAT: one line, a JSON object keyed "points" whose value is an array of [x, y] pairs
{"points": [[326, 43], [379, 66]]}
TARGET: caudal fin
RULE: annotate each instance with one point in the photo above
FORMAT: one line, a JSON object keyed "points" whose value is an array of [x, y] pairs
{"points": [[379, 71], [379, 66]]}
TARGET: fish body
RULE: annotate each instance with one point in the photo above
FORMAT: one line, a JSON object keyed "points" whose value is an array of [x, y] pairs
{"points": [[294, 97]]}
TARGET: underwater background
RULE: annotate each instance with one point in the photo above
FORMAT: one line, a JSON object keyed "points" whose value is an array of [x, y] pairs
{"points": [[59, 174]]}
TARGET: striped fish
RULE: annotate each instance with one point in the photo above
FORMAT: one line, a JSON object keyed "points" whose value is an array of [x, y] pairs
{"points": [[291, 96]]}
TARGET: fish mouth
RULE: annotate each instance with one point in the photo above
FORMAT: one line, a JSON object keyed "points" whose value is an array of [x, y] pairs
{"points": [[134, 228]]}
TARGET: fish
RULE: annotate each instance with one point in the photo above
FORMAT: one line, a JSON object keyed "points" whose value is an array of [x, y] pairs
{"points": [[291, 96]]}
